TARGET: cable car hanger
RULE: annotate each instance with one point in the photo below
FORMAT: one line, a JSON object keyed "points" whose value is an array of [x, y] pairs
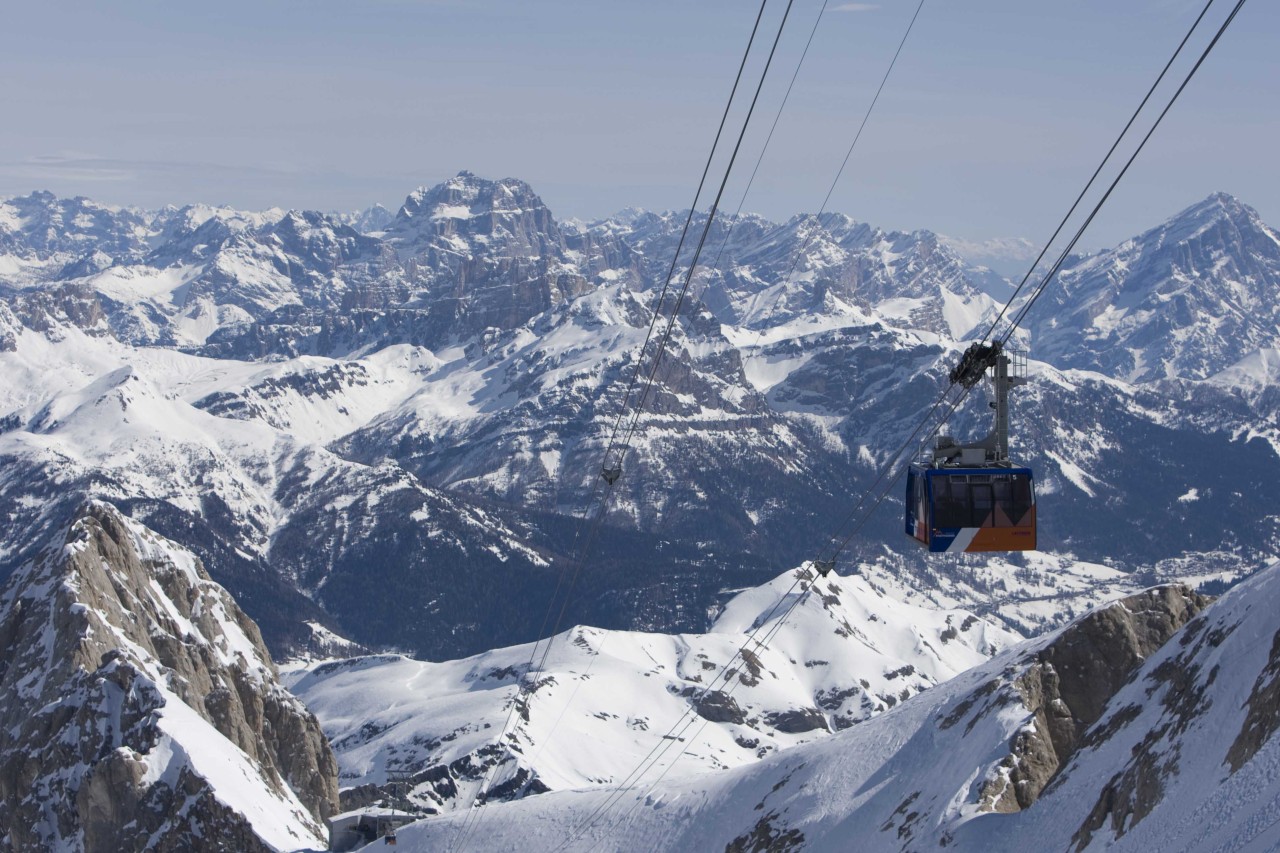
{"points": [[972, 497]]}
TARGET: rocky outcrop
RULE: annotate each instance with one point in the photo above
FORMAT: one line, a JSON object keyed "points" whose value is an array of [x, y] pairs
{"points": [[1069, 683], [1190, 709], [489, 254], [142, 710], [1263, 706], [70, 304]]}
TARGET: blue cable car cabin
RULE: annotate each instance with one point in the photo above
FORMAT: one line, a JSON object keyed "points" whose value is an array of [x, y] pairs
{"points": [[953, 509]]}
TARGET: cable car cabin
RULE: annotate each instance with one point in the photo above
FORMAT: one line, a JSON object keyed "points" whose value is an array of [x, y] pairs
{"points": [[971, 509]]}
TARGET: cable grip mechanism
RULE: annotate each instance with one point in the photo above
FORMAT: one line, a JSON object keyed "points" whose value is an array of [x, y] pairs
{"points": [[974, 363]]}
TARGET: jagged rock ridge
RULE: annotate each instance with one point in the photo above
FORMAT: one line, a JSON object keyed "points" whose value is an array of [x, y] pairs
{"points": [[142, 710]]}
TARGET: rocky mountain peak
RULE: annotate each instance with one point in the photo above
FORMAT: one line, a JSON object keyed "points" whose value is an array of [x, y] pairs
{"points": [[466, 188], [372, 218], [1218, 206], [487, 254], [1216, 224], [319, 240], [144, 708], [44, 226], [1186, 299], [478, 210]]}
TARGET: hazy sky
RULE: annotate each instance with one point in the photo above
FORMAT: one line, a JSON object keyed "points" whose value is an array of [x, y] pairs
{"points": [[996, 113]]}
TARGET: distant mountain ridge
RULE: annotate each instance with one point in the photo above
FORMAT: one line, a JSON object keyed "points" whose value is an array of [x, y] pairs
{"points": [[849, 654], [421, 410]]}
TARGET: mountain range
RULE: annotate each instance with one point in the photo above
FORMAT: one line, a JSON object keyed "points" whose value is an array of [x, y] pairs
{"points": [[430, 402], [381, 435]]}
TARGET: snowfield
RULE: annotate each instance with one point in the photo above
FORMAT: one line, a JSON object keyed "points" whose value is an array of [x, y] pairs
{"points": [[1180, 759], [847, 653]]}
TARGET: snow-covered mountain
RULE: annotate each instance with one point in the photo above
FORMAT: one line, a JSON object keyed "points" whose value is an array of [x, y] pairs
{"points": [[384, 431], [142, 710], [850, 652], [253, 497], [251, 384], [1188, 299], [1144, 725]]}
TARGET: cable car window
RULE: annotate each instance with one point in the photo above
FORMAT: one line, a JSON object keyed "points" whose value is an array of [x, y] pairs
{"points": [[983, 500], [1003, 502], [920, 499], [951, 502], [1023, 498]]}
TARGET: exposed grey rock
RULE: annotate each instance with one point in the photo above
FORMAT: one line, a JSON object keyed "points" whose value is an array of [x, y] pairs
{"points": [[716, 706], [10, 328], [765, 837], [798, 720], [1069, 683], [1263, 719], [101, 639], [44, 310]]}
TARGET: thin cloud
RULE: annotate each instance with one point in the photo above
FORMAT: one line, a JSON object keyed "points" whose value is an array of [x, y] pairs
{"points": [[855, 7], [87, 167], [73, 168]]}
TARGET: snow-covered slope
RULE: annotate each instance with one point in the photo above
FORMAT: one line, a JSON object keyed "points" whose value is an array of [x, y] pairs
{"points": [[604, 699], [156, 431], [142, 710], [1016, 754]]}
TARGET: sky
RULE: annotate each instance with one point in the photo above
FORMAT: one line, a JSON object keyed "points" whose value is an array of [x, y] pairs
{"points": [[995, 115]]}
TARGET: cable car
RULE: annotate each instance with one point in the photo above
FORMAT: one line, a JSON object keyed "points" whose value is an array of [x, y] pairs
{"points": [[971, 509], [971, 497]]}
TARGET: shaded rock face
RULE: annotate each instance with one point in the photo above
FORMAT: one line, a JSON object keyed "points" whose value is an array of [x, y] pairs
{"points": [[1194, 688], [1263, 705], [798, 720], [129, 680], [489, 254], [1069, 683], [715, 706], [76, 305]]}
